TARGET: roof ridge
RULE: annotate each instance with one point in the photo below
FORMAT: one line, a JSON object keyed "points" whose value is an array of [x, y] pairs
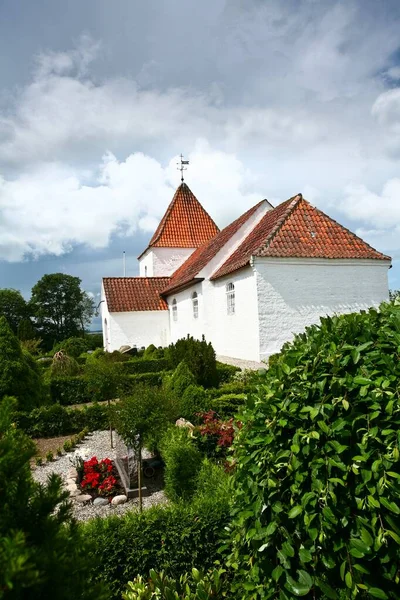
{"points": [[293, 202], [138, 277]]}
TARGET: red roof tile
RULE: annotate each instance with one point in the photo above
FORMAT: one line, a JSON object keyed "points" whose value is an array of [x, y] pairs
{"points": [[124, 294], [202, 256], [185, 224], [295, 229]]}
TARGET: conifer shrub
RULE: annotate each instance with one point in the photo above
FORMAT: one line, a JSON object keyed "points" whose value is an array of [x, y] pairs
{"points": [[317, 482], [182, 463], [225, 372], [43, 553], [228, 405], [19, 373], [63, 365], [180, 380], [199, 356], [193, 402]]}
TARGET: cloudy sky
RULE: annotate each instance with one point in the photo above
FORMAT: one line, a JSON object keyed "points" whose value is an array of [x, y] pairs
{"points": [[266, 98]]}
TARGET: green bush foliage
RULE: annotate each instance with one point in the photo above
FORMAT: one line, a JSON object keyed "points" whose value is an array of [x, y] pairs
{"points": [[225, 372], [228, 405], [19, 374], [63, 365], [56, 420], [199, 356], [75, 346], [317, 483], [212, 482], [180, 380], [103, 379], [193, 401], [182, 463], [173, 539], [43, 553], [196, 586], [69, 390], [143, 365]]}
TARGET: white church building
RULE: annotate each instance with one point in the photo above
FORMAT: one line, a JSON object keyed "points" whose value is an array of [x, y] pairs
{"points": [[247, 288]]}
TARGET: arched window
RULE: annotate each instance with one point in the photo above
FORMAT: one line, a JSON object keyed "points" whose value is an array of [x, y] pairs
{"points": [[195, 303], [174, 310], [230, 298]]}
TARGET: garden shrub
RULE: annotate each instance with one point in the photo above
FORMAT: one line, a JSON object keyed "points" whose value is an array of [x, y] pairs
{"points": [[149, 351], [193, 401], [43, 553], [173, 539], [130, 382], [225, 372], [233, 387], [180, 380], [69, 390], [196, 586], [151, 365], [317, 483], [56, 420], [19, 374], [182, 463], [273, 359], [200, 357], [228, 405], [63, 365], [212, 482], [75, 346], [103, 379]]}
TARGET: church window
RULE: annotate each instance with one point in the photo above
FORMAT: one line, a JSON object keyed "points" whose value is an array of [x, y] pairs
{"points": [[174, 310], [195, 303], [230, 298]]}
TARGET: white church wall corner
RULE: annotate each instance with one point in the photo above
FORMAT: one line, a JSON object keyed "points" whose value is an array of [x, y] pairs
{"points": [[162, 262], [295, 293]]}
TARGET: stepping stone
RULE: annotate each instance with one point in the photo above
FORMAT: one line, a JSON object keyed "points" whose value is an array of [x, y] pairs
{"points": [[72, 473], [74, 493], [71, 481], [100, 502], [72, 487], [83, 498], [119, 500]]}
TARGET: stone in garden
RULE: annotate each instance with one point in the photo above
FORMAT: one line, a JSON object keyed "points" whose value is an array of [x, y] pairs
{"points": [[184, 423], [119, 500], [100, 502], [71, 481], [71, 487], [83, 498], [74, 492], [124, 348], [72, 473]]}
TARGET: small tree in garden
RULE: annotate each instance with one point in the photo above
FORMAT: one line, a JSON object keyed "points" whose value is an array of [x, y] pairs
{"points": [[19, 374], [63, 365], [146, 412], [317, 481], [43, 553]]}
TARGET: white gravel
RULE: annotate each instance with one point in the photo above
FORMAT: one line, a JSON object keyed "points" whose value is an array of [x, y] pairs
{"points": [[97, 444], [242, 364]]}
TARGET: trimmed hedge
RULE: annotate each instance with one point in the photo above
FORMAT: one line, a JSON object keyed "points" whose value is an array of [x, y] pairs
{"points": [[69, 390], [173, 539], [225, 372], [154, 365], [55, 420], [229, 404]]}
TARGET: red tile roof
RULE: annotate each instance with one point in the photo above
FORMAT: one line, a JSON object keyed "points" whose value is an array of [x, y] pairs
{"points": [[202, 256], [295, 229], [185, 224], [124, 294]]}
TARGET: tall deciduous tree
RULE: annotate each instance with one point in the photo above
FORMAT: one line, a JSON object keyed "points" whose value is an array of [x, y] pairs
{"points": [[60, 307], [13, 307]]}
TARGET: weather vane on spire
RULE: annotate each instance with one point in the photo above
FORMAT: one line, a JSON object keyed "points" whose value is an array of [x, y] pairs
{"points": [[181, 167]]}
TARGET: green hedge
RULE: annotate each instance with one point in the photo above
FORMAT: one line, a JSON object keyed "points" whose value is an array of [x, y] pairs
{"points": [[225, 372], [56, 420], [69, 390], [228, 405], [173, 539], [154, 365], [130, 381]]}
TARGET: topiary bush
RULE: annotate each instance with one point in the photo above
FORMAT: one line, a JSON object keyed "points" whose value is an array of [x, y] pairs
{"points": [[63, 365], [228, 405], [317, 483], [151, 365], [192, 402], [225, 372], [180, 380], [199, 356], [182, 463]]}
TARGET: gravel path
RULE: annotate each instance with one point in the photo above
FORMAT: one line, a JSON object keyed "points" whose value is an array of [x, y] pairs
{"points": [[242, 364], [97, 444]]}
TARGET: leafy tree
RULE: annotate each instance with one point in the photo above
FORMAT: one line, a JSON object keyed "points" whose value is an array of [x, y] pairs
{"points": [[146, 411], [103, 379], [63, 365], [317, 481], [199, 356], [13, 307], [42, 551], [25, 330], [61, 309], [19, 373], [394, 295]]}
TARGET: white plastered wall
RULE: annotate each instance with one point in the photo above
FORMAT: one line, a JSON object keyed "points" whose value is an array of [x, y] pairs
{"points": [[162, 262], [295, 293], [140, 328]]}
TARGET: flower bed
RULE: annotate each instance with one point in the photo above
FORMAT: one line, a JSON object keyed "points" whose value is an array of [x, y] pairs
{"points": [[98, 478]]}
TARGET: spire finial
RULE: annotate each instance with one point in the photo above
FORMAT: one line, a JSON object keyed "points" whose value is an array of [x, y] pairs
{"points": [[181, 166]]}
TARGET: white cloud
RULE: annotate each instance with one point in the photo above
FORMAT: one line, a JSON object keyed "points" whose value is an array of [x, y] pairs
{"points": [[51, 208]]}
